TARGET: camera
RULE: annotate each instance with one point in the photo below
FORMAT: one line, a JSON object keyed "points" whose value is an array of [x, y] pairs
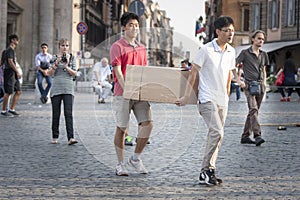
{"points": [[64, 58], [53, 60]]}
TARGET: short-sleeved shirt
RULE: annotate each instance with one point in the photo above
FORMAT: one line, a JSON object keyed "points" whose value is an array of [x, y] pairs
{"points": [[10, 54], [214, 70], [42, 58], [121, 54], [103, 72], [252, 64]]}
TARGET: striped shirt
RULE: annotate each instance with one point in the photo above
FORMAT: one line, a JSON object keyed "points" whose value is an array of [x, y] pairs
{"points": [[62, 82]]}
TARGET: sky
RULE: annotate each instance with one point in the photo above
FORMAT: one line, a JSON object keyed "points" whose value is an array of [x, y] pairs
{"points": [[183, 15]]}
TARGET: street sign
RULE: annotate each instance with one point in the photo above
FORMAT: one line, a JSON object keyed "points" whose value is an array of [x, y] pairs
{"points": [[87, 54], [82, 28], [137, 7], [86, 63]]}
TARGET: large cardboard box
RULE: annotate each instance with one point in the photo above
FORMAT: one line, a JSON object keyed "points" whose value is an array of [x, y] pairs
{"points": [[157, 84]]}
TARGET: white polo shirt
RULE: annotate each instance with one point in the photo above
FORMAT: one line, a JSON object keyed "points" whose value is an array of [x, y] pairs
{"points": [[213, 74]]}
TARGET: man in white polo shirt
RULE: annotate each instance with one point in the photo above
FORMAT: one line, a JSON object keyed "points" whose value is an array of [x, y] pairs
{"points": [[214, 63]]}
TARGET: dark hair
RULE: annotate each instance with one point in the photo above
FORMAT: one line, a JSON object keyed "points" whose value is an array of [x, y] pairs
{"points": [[12, 37], [288, 54], [223, 21], [185, 61], [44, 44], [128, 16]]}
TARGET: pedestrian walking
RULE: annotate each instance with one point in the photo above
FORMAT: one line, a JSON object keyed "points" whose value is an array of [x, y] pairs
{"points": [[128, 50], [63, 70], [254, 62], [11, 78], [42, 63], [290, 75], [214, 63]]}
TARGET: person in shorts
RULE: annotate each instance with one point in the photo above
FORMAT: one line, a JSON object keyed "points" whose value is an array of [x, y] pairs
{"points": [[128, 50], [11, 78]]}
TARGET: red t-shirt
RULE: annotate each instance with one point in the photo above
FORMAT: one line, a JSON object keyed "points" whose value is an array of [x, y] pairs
{"points": [[121, 54]]}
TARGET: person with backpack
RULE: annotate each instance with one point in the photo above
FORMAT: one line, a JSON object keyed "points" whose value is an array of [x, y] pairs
{"points": [[63, 70]]}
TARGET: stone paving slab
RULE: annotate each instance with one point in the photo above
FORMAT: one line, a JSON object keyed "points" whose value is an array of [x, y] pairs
{"points": [[32, 168]]}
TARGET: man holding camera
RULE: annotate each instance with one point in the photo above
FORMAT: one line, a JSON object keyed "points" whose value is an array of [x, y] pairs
{"points": [[42, 63], [253, 62]]}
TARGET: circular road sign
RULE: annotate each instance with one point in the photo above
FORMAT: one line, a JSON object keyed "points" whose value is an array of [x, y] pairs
{"points": [[82, 28], [137, 7]]}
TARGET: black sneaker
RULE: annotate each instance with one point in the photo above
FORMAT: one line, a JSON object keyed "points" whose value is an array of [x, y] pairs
{"points": [[259, 141], [6, 114], [207, 177], [42, 100], [247, 140], [14, 112]]}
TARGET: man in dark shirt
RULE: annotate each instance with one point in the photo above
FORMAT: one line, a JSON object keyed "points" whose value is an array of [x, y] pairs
{"points": [[254, 62], [11, 78]]}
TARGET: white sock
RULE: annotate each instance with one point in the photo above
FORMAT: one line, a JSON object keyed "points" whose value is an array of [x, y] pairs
{"points": [[136, 156], [3, 111]]}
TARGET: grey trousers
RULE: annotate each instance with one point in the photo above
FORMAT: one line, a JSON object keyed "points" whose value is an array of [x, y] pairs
{"points": [[214, 117]]}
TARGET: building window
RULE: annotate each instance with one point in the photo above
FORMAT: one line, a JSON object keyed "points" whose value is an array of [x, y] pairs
{"points": [[274, 7], [290, 12], [257, 14], [245, 19]]}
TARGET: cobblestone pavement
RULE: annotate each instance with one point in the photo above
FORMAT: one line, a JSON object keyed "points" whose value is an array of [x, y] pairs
{"points": [[32, 168]]}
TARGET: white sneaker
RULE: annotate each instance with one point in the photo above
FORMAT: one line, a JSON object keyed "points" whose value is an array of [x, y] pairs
{"points": [[138, 165], [121, 170]]}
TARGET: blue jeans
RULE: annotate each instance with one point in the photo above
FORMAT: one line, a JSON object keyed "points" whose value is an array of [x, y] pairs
{"points": [[235, 86], [68, 100], [40, 76]]}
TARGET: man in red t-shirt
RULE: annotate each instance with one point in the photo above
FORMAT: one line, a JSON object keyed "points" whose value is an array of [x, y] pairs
{"points": [[125, 51]]}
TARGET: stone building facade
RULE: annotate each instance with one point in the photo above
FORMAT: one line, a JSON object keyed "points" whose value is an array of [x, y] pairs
{"points": [[279, 19], [38, 21]]}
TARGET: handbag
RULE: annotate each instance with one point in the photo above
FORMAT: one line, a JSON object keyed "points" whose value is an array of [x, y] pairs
{"points": [[255, 88], [280, 79]]}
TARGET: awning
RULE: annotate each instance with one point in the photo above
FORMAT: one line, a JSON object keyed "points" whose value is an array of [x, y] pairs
{"points": [[269, 47]]}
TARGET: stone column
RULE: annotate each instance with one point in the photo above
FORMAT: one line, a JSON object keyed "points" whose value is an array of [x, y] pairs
{"points": [[46, 24], [3, 24], [63, 20]]}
